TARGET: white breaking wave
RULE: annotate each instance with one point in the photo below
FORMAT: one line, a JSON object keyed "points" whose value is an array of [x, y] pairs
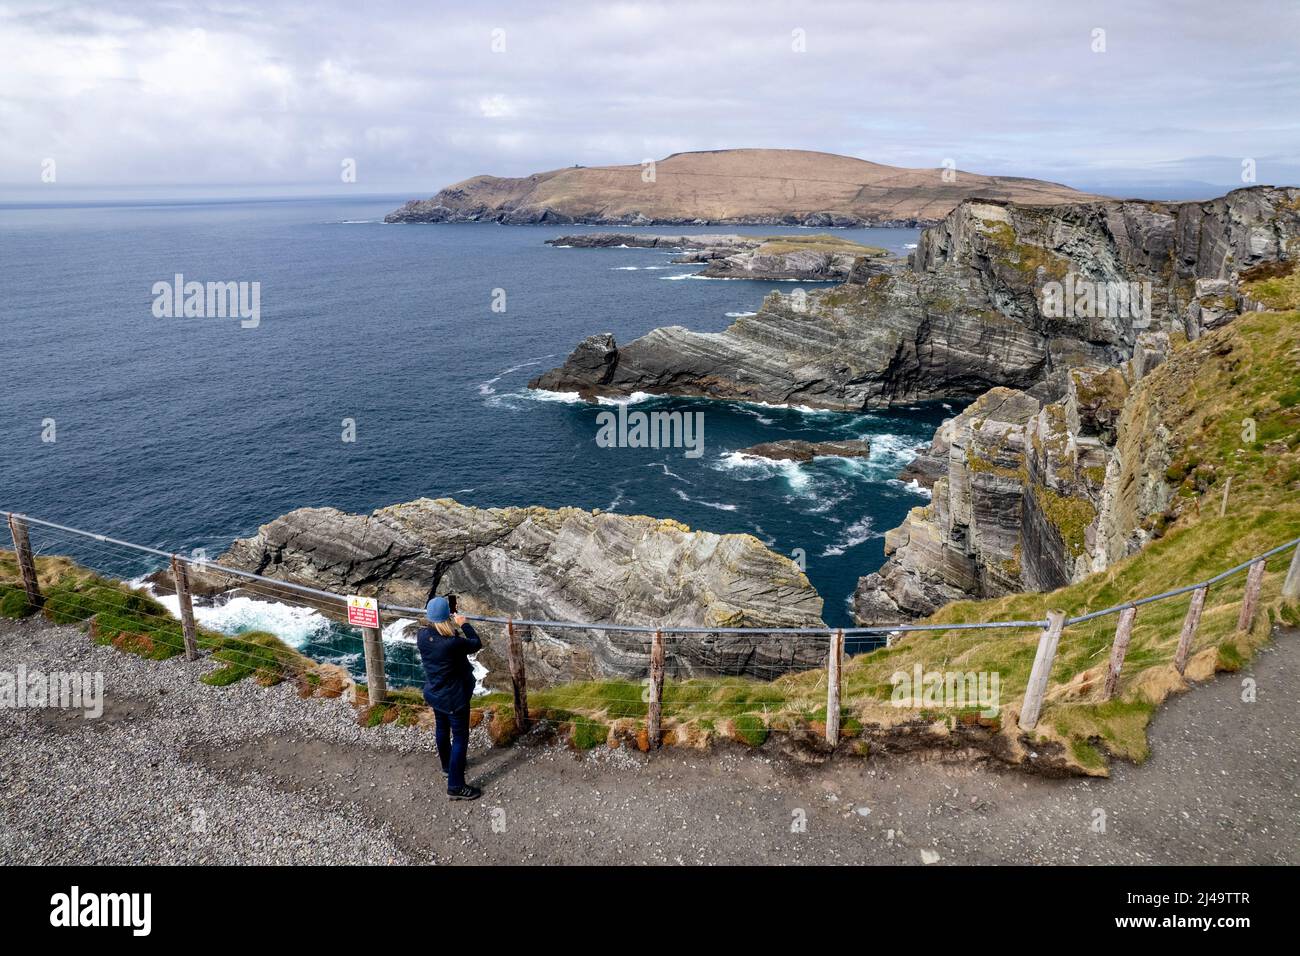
{"points": [[917, 488], [822, 503], [801, 409], [574, 398], [892, 451], [739, 315], [399, 631], [626, 400], [855, 534], [542, 395], [296, 626], [758, 468], [668, 473], [762, 419], [485, 387], [708, 504]]}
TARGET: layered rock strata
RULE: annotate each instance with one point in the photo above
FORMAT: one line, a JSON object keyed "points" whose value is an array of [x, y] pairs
{"points": [[564, 565], [997, 294]]}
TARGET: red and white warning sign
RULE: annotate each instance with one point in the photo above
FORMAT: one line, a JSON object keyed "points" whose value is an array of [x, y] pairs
{"points": [[363, 611]]}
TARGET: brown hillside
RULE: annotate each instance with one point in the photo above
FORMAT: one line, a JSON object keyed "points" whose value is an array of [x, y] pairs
{"points": [[728, 186]]}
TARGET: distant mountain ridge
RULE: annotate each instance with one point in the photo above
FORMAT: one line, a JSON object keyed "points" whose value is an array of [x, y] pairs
{"points": [[729, 187]]}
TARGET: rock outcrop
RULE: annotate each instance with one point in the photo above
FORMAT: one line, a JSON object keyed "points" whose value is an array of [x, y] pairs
{"points": [[727, 187], [720, 243], [795, 449], [998, 294], [814, 258], [965, 543], [564, 564], [1033, 497]]}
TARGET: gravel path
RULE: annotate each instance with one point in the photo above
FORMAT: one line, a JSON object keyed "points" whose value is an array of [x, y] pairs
{"points": [[179, 772]]}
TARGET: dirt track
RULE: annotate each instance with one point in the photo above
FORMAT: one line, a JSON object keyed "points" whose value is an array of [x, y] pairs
{"points": [[176, 771]]}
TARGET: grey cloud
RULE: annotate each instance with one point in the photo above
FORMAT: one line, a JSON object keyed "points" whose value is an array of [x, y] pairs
{"points": [[260, 95]]}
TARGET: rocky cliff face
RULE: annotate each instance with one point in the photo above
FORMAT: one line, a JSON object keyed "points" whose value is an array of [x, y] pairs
{"points": [[996, 294], [1053, 317], [563, 564], [966, 541], [1032, 496]]}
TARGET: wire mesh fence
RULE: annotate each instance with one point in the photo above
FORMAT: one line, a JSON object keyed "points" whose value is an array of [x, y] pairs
{"points": [[590, 674]]}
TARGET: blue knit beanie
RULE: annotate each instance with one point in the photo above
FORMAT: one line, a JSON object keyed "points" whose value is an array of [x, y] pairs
{"points": [[438, 610]]}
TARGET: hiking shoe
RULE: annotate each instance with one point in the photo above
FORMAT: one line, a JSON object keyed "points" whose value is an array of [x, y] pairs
{"points": [[465, 793]]}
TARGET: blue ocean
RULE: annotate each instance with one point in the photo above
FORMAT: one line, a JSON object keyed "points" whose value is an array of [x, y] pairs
{"points": [[186, 433]]}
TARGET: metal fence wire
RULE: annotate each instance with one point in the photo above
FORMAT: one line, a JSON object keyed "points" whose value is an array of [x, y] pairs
{"points": [[643, 654]]}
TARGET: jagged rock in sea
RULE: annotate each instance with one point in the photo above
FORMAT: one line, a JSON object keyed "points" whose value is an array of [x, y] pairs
{"points": [[974, 311], [814, 258], [558, 564], [795, 449], [722, 242]]}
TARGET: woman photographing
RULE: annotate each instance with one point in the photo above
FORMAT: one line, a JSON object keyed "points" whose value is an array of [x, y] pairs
{"points": [[446, 642]]}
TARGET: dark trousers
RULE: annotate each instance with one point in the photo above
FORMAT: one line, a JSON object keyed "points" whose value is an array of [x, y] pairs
{"points": [[452, 736]]}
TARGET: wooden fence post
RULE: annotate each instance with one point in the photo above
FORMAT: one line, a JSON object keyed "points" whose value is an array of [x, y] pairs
{"points": [[1250, 600], [654, 712], [1223, 505], [26, 563], [834, 659], [518, 679], [1123, 633], [376, 685], [1291, 586], [1190, 623], [1042, 670], [182, 582]]}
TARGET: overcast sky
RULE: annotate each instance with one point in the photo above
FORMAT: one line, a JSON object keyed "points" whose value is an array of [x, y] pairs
{"points": [[275, 96]]}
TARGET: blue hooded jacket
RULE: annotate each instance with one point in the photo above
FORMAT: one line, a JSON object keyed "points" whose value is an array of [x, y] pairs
{"points": [[448, 674]]}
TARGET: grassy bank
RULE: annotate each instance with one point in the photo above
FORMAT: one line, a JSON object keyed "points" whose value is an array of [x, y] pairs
{"points": [[817, 242], [116, 614]]}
